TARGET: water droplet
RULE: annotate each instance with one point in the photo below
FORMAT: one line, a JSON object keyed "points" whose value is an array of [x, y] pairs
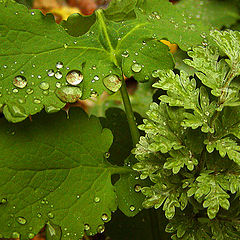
{"points": [[16, 235], [132, 208], [86, 227], [93, 94], [3, 201], [107, 154], [96, 78], [101, 229], [58, 84], [39, 215], [20, 82], [155, 73], [37, 101], [44, 85], [50, 73], [136, 68], [69, 94], [97, 199], [21, 220], [137, 188], [78, 196], [31, 235], [32, 13], [104, 217], [39, 76], [50, 215], [5, 66], [74, 77], [29, 91], [51, 109], [112, 82], [59, 65], [15, 90], [125, 54], [94, 67], [58, 75]]}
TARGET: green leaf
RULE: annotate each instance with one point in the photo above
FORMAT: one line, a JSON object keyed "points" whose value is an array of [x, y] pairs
{"points": [[182, 92], [40, 60], [211, 188], [225, 146], [54, 169]]}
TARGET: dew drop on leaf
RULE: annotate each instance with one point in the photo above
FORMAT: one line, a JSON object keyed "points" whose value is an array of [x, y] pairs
{"points": [[31, 235], [155, 74], [96, 78], [58, 75], [69, 94], [37, 101], [125, 54], [50, 73], [136, 68], [51, 109], [100, 229], [44, 85], [104, 217], [107, 154], [39, 215], [137, 188], [97, 199], [15, 235], [93, 94], [112, 82], [29, 91], [74, 77], [86, 227], [59, 65], [50, 215], [20, 82], [58, 85], [21, 220], [132, 208], [3, 201]]}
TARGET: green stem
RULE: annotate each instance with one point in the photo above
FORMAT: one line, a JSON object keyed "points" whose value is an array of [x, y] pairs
{"points": [[130, 116]]}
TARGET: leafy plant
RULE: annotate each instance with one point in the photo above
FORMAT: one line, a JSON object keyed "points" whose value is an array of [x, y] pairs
{"points": [[69, 173]]}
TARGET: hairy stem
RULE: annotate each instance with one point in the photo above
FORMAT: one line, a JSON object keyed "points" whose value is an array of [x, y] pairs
{"points": [[130, 116]]}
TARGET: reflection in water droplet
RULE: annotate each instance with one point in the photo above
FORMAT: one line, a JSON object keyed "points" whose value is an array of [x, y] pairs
{"points": [[136, 68], [69, 94], [59, 65], [132, 208], [101, 229], [86, 227], [74, 77], [104, 217], [44, 85], [20, 82], [97, 199], [137, 188], [21, 220], [50, 73], [58, 75], [112, 82]]}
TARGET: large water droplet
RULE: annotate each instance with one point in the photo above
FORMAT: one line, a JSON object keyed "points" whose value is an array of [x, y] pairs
{"points": [[112, 82], [86, 227], [132, 208], [104, 217], [21, 220], [31, 235], [69, 94], [136, 68], [59, 65], [97, 199], [50, 73], [50, 215], [101, 229], [58, 75], [44, 85], [20, 82], [74, 77], [16, 235], [137, 188], [3, 201]]}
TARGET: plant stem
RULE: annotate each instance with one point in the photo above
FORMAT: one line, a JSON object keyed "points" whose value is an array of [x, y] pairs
{"points": [[130, 116], [154, 224]]}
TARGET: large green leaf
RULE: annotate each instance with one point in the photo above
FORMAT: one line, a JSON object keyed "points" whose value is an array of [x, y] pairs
{"points": [[54, 169]]}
